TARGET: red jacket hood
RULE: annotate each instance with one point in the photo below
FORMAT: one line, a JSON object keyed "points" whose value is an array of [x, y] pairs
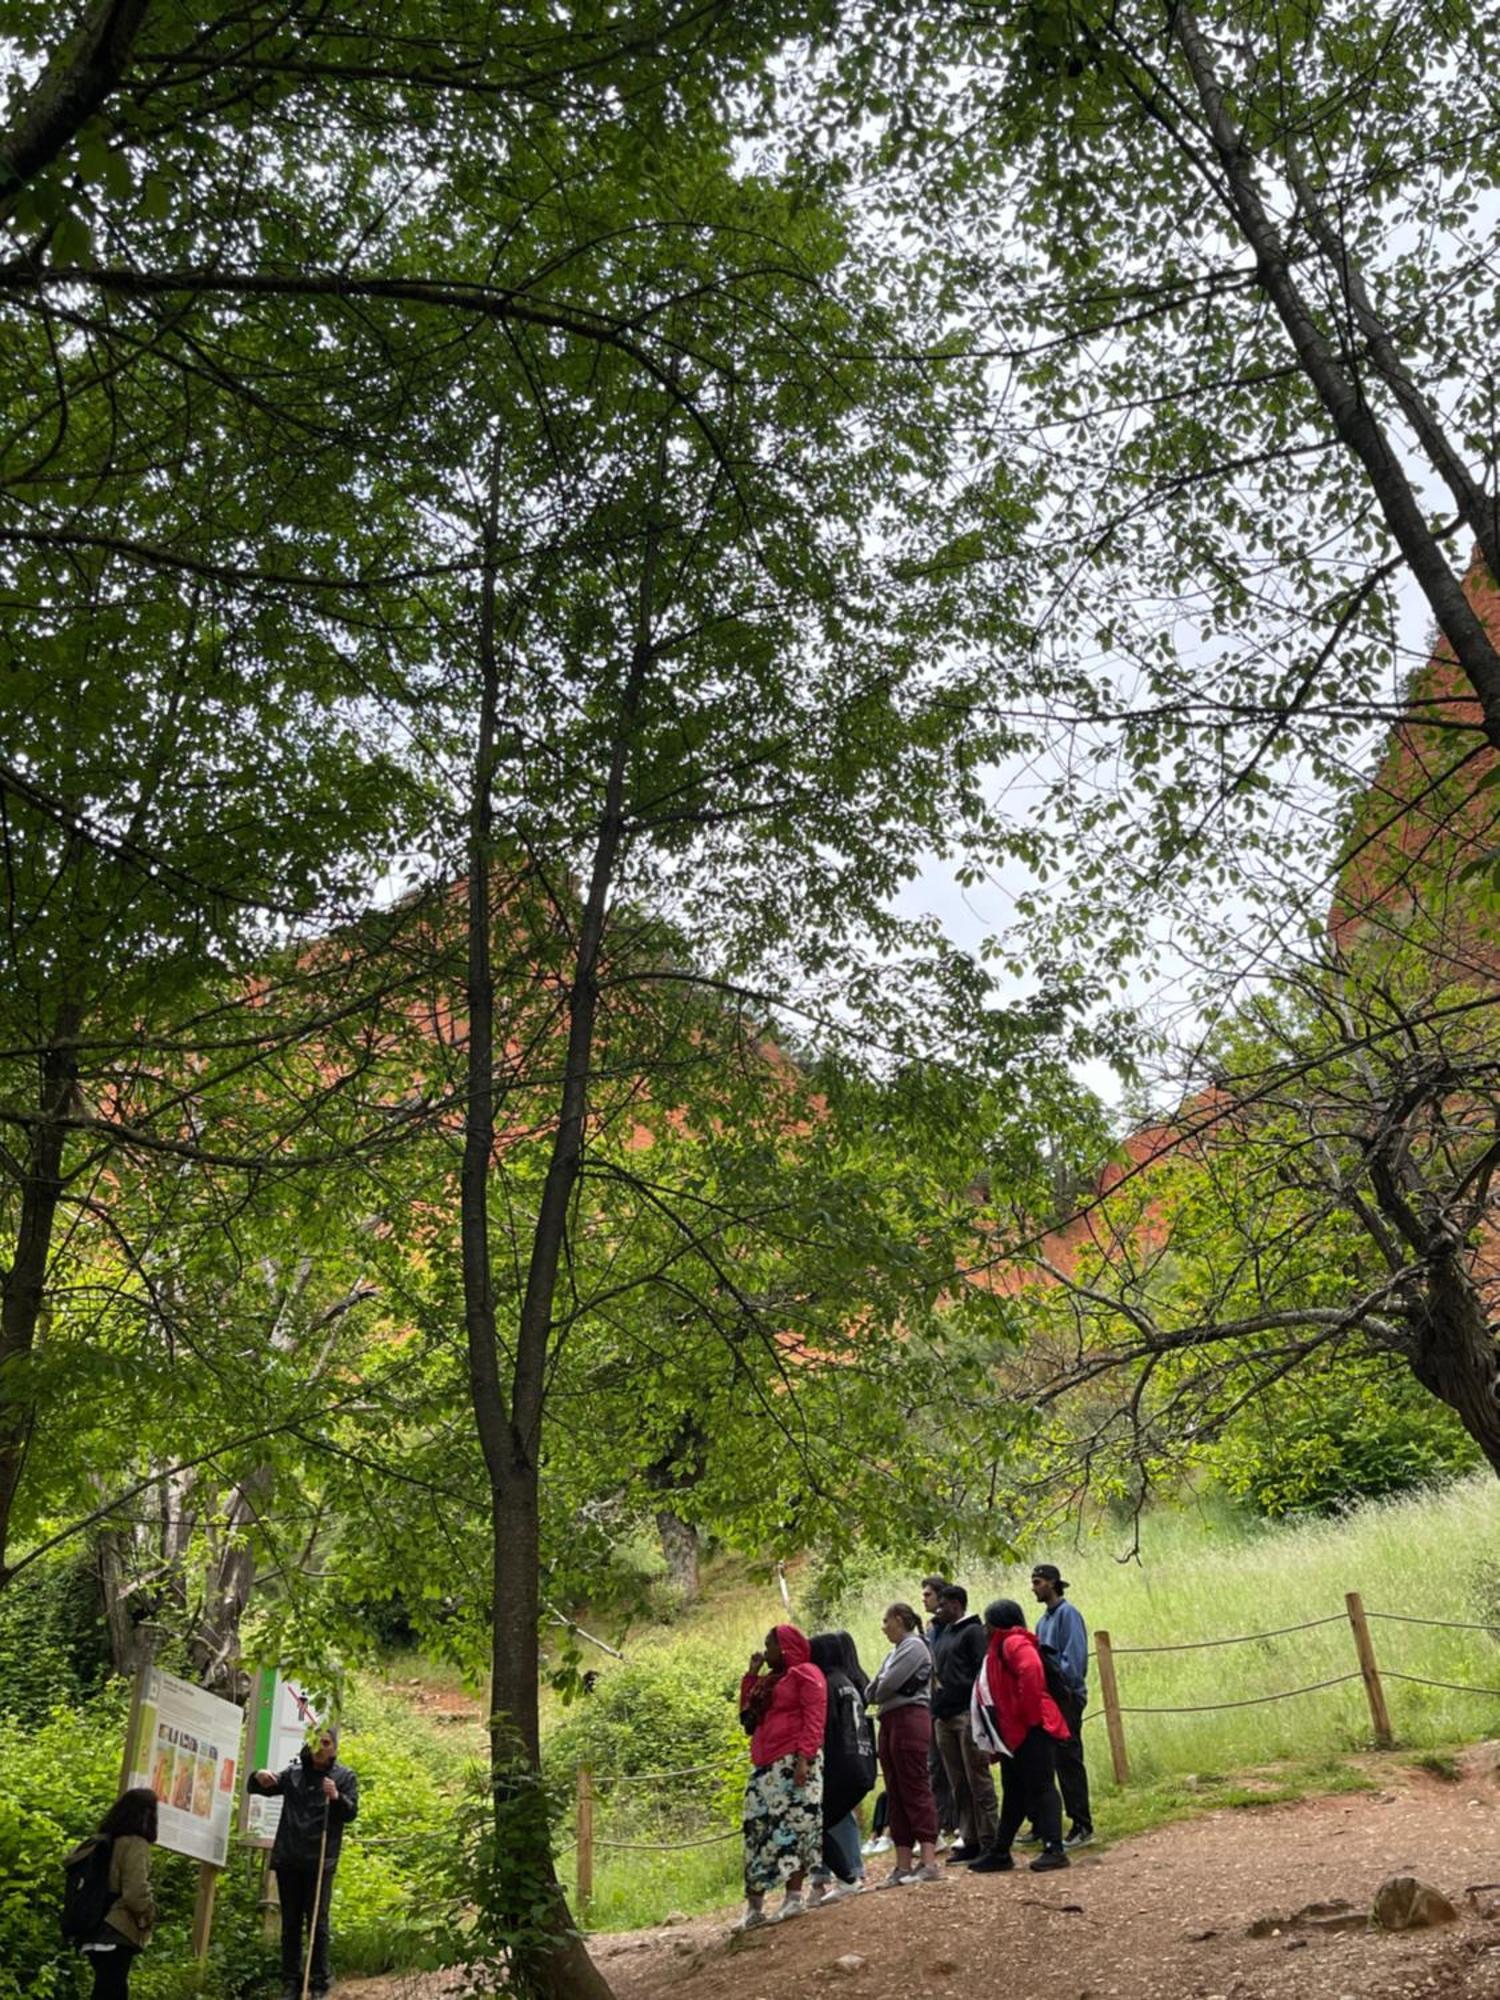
{"points": [[796, 1649], [786, 1711]]}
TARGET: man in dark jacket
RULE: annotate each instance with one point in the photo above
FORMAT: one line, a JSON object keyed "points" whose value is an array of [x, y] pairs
{"points": [[319, 1796], [937, 1773], [958, 1649]]}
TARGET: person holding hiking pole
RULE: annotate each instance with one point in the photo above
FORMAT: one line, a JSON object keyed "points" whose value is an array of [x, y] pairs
{"points": [[319, 1796]]}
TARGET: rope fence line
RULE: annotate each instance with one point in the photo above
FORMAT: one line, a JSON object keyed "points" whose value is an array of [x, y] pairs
{"points": [[1240, 1639], [1454, 1687], [1448, 1624], [657, 1777], [1250, 1701], [670, 1846], [1368, 1671]]}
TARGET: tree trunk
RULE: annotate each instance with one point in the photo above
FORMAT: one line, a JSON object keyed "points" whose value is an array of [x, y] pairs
{"points": [[679, 1545], [72, 87], [1455, 1357], [214, 1641], [547, 1958], [129, 1632], [1341, 394], [24, 1285]]}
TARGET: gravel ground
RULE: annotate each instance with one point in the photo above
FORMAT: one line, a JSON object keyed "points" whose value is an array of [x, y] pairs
{"points": [[1201, 1910], [1167, 1914]]}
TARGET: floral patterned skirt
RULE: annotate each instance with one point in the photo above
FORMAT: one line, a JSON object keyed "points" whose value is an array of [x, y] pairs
{"points": [[783, 1824]]}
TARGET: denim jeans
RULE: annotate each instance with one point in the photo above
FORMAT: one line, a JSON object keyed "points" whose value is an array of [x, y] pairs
{"points": [[841, 1849]]}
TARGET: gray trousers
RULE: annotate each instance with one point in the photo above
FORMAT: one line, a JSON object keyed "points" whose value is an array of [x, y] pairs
{"points": [[972, 1781]]}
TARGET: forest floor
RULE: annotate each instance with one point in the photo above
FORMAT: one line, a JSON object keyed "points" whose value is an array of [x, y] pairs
{"points": [[1204, 1909]]}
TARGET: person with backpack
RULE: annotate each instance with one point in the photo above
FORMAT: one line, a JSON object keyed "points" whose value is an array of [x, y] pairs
{"points": [[901, 1695], [319, 1797], [1018, 1723], [1061, 1632], [108, 1908], [958, 1652], [848, 1768]]}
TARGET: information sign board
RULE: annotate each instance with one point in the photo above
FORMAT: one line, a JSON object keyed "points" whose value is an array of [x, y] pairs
{"points": [[281, 1718], [186, 1747]]}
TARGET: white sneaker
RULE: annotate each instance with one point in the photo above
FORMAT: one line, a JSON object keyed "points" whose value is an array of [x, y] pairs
{"points": [[750, 1921], [792, 1907], [881, 1845]]}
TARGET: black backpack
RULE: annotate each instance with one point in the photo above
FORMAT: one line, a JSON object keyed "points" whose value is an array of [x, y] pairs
{"points": [[851, 1739], [86, 1891]]}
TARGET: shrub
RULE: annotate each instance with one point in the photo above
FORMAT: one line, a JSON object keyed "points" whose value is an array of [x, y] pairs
{"points": [[54, 1642], [1321, 1445], [56, 1783], [675, 1710]]}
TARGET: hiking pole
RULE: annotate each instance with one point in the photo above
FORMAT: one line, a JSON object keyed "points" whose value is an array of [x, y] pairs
{"points": [[312, 1931]]}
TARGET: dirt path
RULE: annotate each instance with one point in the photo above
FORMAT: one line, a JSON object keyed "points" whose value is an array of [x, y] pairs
{"points": [[1166, 1916]]}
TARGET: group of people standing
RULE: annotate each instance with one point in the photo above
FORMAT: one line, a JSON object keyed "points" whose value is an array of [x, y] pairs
{"points": [[955, 1699]]}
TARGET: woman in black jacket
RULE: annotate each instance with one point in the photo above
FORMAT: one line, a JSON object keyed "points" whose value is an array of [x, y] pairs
{"points": [[848, 1765]]}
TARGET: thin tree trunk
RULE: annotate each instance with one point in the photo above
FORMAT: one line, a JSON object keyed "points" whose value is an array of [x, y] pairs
{"points": [[23, 1286], [550, 1960], [1352, 418], [129, 1635], [1480, 511], [214, 1642]]}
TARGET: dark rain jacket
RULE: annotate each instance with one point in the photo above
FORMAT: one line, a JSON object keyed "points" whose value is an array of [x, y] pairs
{"points": [[299, 1834], [957, 1655]]}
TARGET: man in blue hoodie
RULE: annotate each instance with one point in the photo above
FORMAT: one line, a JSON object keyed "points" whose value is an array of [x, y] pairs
{"points": [[1062, 1631]]}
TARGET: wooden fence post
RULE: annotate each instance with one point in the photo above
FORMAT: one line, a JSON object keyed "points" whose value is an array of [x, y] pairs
{"points": [[585, 1837], [1379, 1713], [270, 1897], [1112, 1720], [203, 1909]]}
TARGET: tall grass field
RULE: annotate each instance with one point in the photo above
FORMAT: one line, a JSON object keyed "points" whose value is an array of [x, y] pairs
{"points": [[1206, 1574]]}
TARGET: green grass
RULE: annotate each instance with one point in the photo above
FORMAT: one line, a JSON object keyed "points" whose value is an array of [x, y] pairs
{"points": [[1438, 1764], [1207, 1574]]}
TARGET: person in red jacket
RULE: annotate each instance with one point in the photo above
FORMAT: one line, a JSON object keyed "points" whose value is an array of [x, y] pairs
{"points": [[783, 1704], [1017, 1718]]}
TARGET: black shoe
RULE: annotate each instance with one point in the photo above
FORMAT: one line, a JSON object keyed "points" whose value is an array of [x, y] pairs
{"points": [[1050, 1857], [962, 1853], [993, 1862], [1079, 1836]]}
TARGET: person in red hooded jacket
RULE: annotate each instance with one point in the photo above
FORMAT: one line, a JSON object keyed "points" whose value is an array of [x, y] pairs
{"points": [[783, 1704], [1011, 1703]]}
